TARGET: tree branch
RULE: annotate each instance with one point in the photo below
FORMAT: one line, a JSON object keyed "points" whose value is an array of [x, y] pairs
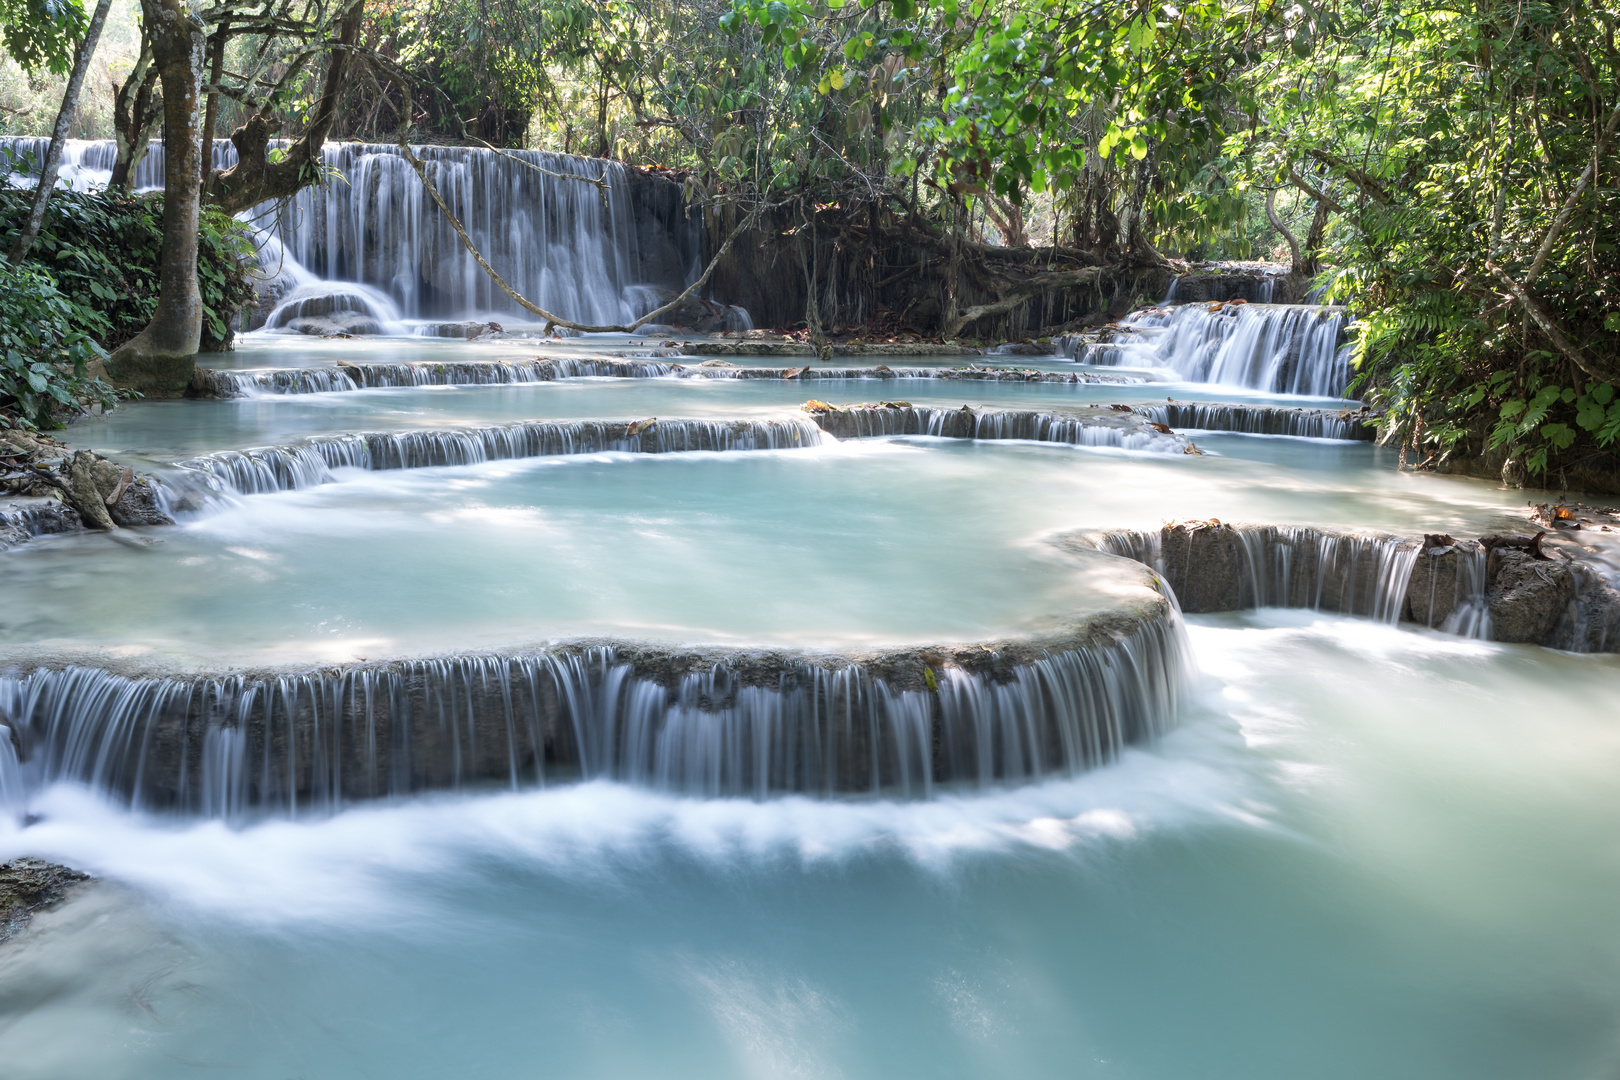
{"points": [[1036, 285], [1567, 211], [1549, 326], [1320, 196], [517, 297], [1374, 190], [1277, 223]]}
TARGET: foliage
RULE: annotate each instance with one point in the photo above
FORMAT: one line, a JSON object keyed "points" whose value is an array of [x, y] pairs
{"points": [[44, 351], [101, 251], [42, 33], [1451, 140]]}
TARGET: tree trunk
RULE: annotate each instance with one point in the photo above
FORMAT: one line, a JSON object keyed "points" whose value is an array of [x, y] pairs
{"points": [[135, 112], [1313, 240], [160, 359], [1296, 262], [953, 273], [59, 135], [216, 67], [812, 304]]}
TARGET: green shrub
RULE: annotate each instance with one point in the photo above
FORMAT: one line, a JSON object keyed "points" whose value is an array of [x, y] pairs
{"points": [[43, 352], [102, 250]]}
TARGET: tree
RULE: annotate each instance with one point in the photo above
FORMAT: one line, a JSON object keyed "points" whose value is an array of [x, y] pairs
{"points": [[59, 134], [159, 360]]}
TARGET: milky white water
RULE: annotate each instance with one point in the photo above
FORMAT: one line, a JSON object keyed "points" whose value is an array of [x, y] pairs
{"points": [[861, 542], [1367, 852]]}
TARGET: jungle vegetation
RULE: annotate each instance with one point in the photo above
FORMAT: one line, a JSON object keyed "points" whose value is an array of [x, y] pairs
{"points": [[1447, 168]]}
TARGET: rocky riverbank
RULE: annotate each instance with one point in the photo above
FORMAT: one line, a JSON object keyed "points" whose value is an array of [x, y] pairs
{"points": [[47, 487]]}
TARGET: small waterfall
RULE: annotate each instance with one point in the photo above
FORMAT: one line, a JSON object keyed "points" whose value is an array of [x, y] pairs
{"points": [[13, 790], [307, 464], [46, 516], [743, 725], [1284, 349], [1259, 420], [1215, 567], [356, 310], [1103, 428], [1448, 589], [207, 382]]}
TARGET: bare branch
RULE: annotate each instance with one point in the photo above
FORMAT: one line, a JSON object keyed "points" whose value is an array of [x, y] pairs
{"points": [[1549, 326], [551, 319], [1567, 211]]}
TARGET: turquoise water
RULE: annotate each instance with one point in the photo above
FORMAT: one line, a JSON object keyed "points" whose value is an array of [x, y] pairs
{"points": [[1366, 852]]}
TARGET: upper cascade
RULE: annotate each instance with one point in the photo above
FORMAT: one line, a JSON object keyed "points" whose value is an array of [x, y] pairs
{"points": [[1277, 348], [587, 239]]}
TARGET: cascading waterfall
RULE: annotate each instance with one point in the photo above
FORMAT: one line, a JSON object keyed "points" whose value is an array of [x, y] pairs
{"points": [[1280, 348], [307, 464], [1105, 428], [1258, 420], [13, 791], [750, 725], [209, 382], [587, 239]]}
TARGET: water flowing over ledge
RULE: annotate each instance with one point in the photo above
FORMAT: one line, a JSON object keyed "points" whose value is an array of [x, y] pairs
{"points": [[709, 722], [1103, 425], [1261, 420], [209, 382], [1284, 349], [306, 464], [1497, 588]]}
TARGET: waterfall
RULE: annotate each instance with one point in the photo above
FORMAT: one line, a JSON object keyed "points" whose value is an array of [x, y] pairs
{"points": [[1280, 348], [1259, 420], [13, 792], [1104, 427], [588, 239], [1214, 567], [210, 382], [740, 725], [307, 464]]}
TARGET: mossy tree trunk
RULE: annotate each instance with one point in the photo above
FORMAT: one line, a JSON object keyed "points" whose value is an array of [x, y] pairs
{"points": [[160, 359]]}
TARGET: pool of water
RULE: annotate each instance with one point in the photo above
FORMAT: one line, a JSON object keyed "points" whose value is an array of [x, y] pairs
{"points": [[159, 430], [1366, 852], [861, 542]]}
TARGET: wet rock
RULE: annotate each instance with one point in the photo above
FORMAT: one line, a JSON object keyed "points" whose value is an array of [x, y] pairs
{"points": [[88, 499], [1433, 591], [338, 306], [24, 519], [348, 325], [464, 331], [1529, 597], [29, 885]]}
